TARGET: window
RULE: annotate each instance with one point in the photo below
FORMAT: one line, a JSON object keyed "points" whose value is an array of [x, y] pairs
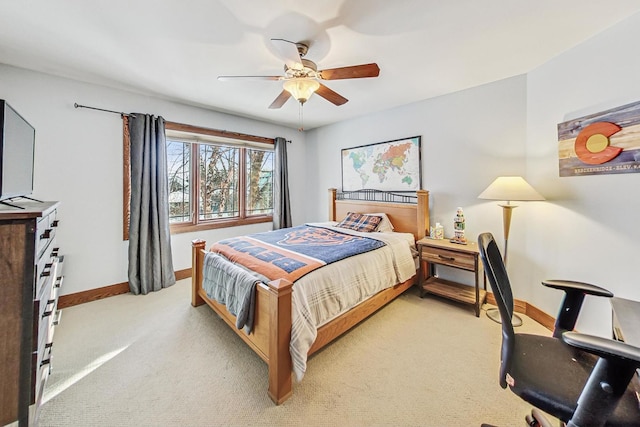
{"points": [[217, 182], [232, 183]]}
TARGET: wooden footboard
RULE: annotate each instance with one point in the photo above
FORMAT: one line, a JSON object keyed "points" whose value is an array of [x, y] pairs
{"points": [[271, 333], [272, 322], [271, 326]]}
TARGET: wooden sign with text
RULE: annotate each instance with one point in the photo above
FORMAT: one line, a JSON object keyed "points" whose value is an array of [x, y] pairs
{"points": [[603, 143]]}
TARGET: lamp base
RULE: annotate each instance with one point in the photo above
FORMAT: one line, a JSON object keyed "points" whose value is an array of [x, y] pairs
{"points": [[494, 314]]}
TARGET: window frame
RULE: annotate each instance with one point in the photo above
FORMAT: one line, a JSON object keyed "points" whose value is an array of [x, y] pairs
{"points": [[196, 224]]}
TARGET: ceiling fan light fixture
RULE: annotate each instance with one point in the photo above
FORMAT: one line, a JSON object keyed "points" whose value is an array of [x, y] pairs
{"points": [[301, 88]]}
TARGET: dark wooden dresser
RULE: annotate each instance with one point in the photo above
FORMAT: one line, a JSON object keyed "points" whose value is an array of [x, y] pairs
{"points": [[30, 278]]}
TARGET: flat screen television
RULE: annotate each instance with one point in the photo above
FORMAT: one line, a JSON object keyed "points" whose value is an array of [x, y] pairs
{"points": [[17, 145]]}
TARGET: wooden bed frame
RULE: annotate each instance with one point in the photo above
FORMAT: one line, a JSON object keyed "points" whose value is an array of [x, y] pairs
{"points": [[272, 322]]}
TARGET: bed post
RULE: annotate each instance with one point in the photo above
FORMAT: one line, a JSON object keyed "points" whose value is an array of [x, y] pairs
{"points": [[197, 260], [280, 365], [332, 204], [423, 213]]}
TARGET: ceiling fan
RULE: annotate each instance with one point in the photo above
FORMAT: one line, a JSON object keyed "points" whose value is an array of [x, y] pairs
{"points": [[302, 78]]}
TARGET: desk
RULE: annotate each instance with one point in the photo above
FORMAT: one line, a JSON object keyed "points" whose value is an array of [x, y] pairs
{"points": [[626, 318]]}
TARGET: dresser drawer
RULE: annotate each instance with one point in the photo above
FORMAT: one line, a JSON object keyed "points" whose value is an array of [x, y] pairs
{"points": [[448, 257], [40, 370], [46, 231], [45, 304], [41, 380], [45, 269], [46, 320]]}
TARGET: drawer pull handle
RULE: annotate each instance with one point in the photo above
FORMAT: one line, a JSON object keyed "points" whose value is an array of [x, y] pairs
{"points": [[49, 312], [55, 223], [46, 271], [46, 234], [45, 362], [58, 283], [448, 258]]}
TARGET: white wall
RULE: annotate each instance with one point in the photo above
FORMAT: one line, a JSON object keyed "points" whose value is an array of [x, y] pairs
{"points": [[584, 231], [587, 230], [79, 162], [468, 139]]}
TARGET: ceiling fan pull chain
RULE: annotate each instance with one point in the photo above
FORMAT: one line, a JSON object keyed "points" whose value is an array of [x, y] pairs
{"points": [[300, 118]]}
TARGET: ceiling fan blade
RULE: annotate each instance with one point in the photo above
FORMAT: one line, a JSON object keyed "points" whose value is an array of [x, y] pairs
{"points": [[280, 100], [330, 95], [289, 53], [225, 78], [352, 72]]}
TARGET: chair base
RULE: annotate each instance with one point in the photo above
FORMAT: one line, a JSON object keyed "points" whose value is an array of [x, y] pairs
{"points": [[494, 314]]}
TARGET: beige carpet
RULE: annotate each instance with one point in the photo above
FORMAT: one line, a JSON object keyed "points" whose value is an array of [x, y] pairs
{"points": [[156, 361]]}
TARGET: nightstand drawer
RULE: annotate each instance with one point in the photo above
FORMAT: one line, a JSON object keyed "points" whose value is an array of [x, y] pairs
{"points": [[466, 261]]}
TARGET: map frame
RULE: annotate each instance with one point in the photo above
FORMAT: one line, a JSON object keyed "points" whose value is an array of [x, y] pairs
{"points": [[414, 161]]}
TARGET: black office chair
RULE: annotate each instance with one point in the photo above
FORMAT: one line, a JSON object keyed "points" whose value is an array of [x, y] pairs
{"points": [[580, 379]]}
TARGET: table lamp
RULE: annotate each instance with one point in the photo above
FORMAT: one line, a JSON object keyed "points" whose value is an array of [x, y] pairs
{"points": [[508, 188]]}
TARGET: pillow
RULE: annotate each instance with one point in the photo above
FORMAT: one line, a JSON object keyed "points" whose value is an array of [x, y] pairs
{"points": [[360, 222], [385, 225]]}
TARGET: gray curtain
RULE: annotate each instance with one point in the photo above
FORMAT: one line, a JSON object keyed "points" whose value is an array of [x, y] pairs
{"points": [[150, 261], [281, 204]]}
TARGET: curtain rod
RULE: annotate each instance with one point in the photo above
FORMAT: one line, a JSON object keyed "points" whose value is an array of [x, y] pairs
{"points": [[178, 125], [76, 105]]}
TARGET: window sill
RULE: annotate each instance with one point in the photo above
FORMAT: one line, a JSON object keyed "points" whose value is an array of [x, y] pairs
{"points": [[211, 225]]}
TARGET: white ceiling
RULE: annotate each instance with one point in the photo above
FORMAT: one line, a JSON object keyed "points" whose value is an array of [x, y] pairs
{"points": [[176, 49]]}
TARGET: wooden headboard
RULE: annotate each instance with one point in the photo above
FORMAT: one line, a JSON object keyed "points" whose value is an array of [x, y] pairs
{"points": [[405, 217]]}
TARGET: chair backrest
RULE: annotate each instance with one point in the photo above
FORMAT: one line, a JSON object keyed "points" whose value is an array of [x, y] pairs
{"points": [[496, 272]]}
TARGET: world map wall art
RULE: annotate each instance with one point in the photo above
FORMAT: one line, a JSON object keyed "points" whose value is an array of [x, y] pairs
{"points": [[603, 143], [387, 166]]}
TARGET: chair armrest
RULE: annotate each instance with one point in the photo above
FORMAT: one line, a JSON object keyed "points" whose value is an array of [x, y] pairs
{"points": [[572, 302], [585, 288], [603, 347], [609, 379]]}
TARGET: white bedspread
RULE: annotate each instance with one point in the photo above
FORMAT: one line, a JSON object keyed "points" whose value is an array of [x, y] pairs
{"points": [[326, 293]]}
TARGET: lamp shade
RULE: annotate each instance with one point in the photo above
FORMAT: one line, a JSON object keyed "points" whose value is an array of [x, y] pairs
{"points": [[301, 88], [510, 188]]}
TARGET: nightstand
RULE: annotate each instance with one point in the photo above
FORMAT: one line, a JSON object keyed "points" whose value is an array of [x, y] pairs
{"points": [[464, 257]]}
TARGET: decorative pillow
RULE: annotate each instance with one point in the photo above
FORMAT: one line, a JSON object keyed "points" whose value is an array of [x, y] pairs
{"points": [[385, 225], [360, 222]]}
